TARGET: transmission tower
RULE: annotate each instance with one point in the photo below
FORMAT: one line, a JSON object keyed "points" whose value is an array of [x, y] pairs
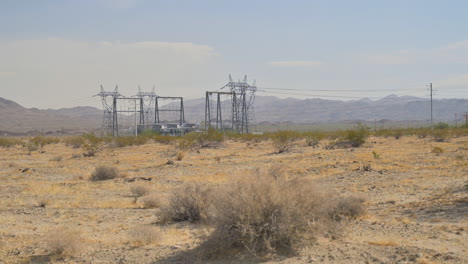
{"points": [[242, 103], [109, 118], [147, 105]]}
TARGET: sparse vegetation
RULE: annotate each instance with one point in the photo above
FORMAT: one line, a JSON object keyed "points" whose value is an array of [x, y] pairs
{"points": [[145, 235], [190, 203], [358, 136], [283, 141], [313, 138], [103, 173], [437, 150], [64, 242], [152, 200], [91, 146], [376, 155], [138, 191], [74, 141], [180, 155], [265, 214], [8, 142]]}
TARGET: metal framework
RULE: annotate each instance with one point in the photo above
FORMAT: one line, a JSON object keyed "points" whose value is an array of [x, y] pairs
{"points": [[109, 118], [131, 115], [242, 110], [223, 121]]}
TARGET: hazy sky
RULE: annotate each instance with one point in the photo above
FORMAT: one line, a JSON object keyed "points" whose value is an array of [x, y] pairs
{"points": [[58, 53]]}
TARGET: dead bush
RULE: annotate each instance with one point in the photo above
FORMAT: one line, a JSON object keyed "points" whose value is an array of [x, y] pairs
{"points": [[266, 214], [152, 200], [145, 235], [139, 191], [64, 242], [190, 202], [180, 155], [103, 173]]}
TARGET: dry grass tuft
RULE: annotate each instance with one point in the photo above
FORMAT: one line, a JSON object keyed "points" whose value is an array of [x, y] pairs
{"points": [[103, 173], [64, 242], [145, 235]]}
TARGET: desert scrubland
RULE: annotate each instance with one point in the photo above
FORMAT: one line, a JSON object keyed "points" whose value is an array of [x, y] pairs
{"points": [[409, 202]]}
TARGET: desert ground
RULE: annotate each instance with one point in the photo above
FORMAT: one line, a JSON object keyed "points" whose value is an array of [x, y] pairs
{"points": [[416, 200]]}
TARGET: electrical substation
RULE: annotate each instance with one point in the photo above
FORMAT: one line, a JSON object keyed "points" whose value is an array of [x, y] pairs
{"points": [[229, 108]]}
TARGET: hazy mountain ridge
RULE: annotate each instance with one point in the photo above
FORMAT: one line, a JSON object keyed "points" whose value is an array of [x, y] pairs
{"points": [[14, 117]]}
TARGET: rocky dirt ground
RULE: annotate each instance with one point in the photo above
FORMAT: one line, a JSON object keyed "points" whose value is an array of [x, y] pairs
{"points": [[417, 200]]}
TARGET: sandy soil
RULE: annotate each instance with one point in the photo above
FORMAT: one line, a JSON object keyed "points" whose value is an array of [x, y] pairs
{"points": [[417, 200]]}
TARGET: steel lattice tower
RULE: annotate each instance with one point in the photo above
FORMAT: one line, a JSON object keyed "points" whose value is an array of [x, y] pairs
{"points": [[242, 103], [109, 118], [148, 100]]}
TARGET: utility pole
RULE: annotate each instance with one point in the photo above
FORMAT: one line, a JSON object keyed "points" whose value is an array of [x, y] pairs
{"points": [[456, 124], [432, 125], [466, 119]]}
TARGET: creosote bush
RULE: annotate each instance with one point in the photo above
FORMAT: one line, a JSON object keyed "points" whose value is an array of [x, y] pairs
{"points": [[103, 173], [152, 200], [74, 141], [91, 145], [358, 136], [194, 140], [313, 138], [284, 140]]}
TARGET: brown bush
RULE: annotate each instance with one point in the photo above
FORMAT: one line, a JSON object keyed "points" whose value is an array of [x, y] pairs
{"points": [[103, 173], [139, 191], [266, 214], [190, 202], [145, 235], [64, 242], [152, 200]]}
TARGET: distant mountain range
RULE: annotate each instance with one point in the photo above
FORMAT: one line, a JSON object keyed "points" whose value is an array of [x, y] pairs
{"points": [[16, 118]]}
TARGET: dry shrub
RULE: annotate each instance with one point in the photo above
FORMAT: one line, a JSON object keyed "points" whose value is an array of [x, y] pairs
{"points": [[57, 158], [190, 202], [64, 242], [180, 155], [152, 200], [7, 142], [103, 173], [139, 191], [145, 235], [266, 214]]}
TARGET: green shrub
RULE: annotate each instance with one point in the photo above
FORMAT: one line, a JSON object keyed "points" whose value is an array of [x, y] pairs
{"points": [[437, 150], [440, 135], [441, 125], [313, 138], [125, 141], [209, 138], [358, 136], [284, 140], [7, 142], [74, 141], [40, 141], [91, 145]]}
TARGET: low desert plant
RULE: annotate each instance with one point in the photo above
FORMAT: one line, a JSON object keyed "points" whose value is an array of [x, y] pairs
{"points": [[265, 214], [74, 141], [376, 155], [284, 140], [437, 150], [190, 203], [440, 135], [357, 136], [313, 138], [103, 173], [139, 191], [57, 158], [152, 200], [195, 140], [144, 235], [180, 155], [64, 242], [441, 125], [7, 142], [120, 142]]}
